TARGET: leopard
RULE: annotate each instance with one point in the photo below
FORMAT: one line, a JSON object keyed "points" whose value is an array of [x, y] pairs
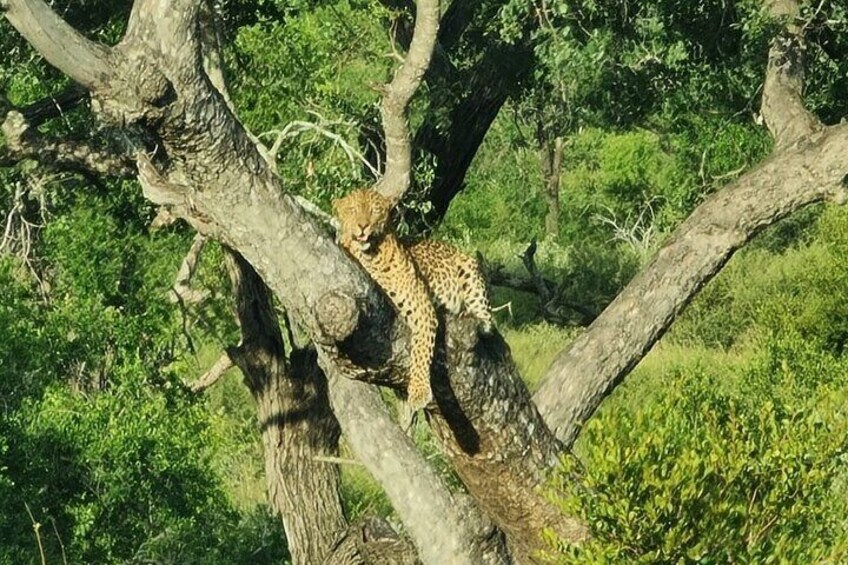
{"points": [[416, 278]]}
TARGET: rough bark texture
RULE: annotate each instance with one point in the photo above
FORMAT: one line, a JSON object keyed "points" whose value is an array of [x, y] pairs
{"points": [[295, 420], [495, 438], [372, 541], [783, 105], [416, 492], [599, 359], [202, 165], [454, 132], [198, 162], [396, 178]]}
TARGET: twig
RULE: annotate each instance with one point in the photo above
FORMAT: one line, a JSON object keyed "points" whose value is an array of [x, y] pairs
{"points": [[297, 127], [59, 539], [36, 527], [529, 260], [337, 460], [212, 376], [182, 282], [507, 307]]}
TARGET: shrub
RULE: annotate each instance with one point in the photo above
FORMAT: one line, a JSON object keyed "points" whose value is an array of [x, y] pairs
{"points": [[720, 467]]}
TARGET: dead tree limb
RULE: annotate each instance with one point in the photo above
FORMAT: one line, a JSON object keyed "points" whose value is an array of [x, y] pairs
{"points": [[213, 375], [182, 288], [23, 141]]}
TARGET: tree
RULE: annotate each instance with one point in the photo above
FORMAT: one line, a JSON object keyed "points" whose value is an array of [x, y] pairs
{"points": [[193, 158]]}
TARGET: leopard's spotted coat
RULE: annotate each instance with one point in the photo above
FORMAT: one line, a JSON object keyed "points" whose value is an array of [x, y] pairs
{"points": [[409, 275]]}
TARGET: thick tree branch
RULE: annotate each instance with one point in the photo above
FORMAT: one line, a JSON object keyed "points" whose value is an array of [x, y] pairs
{"points": [[807, 166], [496, 439], [446, 528], [66, 49], [206, 168], [396, 178], [590, 368], [783, 102], [295, 420]]}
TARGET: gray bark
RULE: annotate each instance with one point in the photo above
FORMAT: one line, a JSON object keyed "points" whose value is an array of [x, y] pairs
{"points": [[202, 165], [396, 178], [550, 153]]}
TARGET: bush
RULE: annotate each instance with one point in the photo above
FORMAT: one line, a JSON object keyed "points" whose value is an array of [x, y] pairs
{"points": [[720, 467], [126, 473], [776, 285]]}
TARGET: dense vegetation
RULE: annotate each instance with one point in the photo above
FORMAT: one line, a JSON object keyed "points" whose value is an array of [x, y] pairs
{"points": [[728, 443]]}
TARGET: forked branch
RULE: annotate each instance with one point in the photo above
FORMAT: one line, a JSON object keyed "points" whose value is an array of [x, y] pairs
{"points": [[25, 142], [397, 177]]}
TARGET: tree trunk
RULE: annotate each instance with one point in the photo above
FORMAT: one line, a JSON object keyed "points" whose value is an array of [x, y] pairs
{"points": [[295, 420], [550, 156]]}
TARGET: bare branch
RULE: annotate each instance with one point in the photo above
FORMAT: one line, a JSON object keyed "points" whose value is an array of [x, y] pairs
{"points": [[24, 142], [215, 372], [182, 283], [397, 177], [296, 127], [81, 59], [317, 212], [783, 103], [54, 106], [19, 233], [445, 528]]}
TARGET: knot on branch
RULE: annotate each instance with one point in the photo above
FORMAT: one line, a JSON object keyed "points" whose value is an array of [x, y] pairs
{"points": [[839, 196], [788, 55], [14, 128], [337, 315]]}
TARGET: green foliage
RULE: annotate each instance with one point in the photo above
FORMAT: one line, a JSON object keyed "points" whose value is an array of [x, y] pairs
{"points": [[126, 473], [316, 68], [534, 347], [99, 440], [721, 457], [778, 284], [720, 466]]}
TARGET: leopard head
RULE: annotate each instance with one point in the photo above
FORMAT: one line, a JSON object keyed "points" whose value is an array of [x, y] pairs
{"points": [[364, 218]]}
